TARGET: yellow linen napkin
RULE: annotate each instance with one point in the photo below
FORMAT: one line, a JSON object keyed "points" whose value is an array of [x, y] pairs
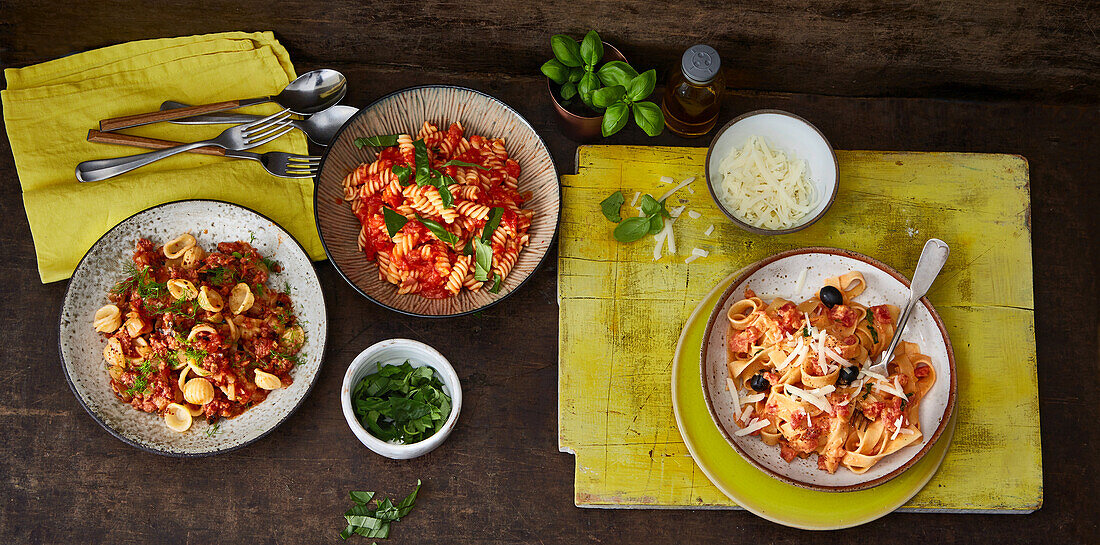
{"points": [[49, 107]]}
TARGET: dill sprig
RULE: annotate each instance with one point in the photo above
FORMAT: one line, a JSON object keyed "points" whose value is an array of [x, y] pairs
{"points": [[140, 281]]}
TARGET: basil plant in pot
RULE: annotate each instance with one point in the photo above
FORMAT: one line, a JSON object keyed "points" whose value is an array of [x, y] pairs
{"points": [[585, 91]]}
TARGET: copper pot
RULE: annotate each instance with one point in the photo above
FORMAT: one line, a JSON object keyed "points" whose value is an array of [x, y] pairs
{"points": [[575, 127]]}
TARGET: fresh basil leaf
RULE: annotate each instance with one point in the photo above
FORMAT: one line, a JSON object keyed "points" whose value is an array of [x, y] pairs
{"points": [[491, 223], [616, 73], [642, 85], [591, 48], [608, 95], [423, 164], [575, 74], [556, 71], [649, 205], [374, 533], [445, 194], [568, 90], [648, 116], [469, 249], [611, 205], [656, 224], [457, 163], [632, 229], [406, 505], [483, 260], [566, 50], [402, 172], [378, 141], [588, 84], [439, 231], [614, 119], [496, 284], [394, 221], [365, 521], [362, 498]]}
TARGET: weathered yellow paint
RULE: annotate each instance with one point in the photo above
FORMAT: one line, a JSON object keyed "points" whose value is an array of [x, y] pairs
{"points": [[621, 314]]}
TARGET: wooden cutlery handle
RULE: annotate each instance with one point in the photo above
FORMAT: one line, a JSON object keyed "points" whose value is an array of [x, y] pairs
{"points": [[142, 142], [116, 123]]}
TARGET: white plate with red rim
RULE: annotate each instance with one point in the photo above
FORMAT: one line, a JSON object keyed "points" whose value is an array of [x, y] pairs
{"points": [[778, 276]]}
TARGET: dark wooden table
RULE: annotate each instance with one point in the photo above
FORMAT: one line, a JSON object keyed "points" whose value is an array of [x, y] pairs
{"points": [[984, 76]]}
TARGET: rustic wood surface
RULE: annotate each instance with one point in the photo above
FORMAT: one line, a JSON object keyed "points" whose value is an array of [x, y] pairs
{"points": [[1006, 77]]}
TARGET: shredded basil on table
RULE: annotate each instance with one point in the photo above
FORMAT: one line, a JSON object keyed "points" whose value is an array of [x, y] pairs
{"points": [[374, 522]]}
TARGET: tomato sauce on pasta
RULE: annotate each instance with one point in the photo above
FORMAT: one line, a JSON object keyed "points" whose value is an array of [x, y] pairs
{"points": [[798, 378]]}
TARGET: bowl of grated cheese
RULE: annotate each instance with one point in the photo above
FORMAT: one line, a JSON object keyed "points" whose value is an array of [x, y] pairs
{"points": [[772, 172]]}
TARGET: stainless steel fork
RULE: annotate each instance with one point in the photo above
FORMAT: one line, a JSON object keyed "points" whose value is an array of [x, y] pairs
{"points": [[282, 164], [241, 137]]}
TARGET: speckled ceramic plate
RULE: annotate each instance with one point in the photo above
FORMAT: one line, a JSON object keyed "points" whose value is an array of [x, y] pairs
{"points": [[211, 222], [777, 276], [404, 112]]}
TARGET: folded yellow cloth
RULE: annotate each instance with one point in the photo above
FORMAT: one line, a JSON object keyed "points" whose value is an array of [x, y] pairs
{"points": [[49, 107]]}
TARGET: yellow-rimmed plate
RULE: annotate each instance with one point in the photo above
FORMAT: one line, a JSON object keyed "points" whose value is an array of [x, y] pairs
{"points": [[755, 490]]}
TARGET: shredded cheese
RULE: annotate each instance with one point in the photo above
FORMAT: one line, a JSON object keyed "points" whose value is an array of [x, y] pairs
{"points": [[747, 414], [872, 374], [764, 187], [675, 212], [799, 351], [752, 399], [634, 201], [798, 288], [667, 179], [753, 427], [691, 259], [732, 387], [694, 215], [691, 190], [680, 186], [670, 238], [710, 229], [815, 400]]}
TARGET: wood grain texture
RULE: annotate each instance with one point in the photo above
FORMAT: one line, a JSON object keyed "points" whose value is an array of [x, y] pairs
{"points": [[937, 48], [499, 479], [615, 409], [102, 137]]}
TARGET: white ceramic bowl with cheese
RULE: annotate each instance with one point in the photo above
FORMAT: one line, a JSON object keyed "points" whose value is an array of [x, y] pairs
{"points": [[793, 135]]}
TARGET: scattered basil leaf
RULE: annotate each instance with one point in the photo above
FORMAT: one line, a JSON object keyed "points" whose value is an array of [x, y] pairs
{"points": [[614, 119], [566, 50], [439, 231], [377, 141], [648, 116], [591, 48], [402, 172], [649, 205], [374, 522], [611, 205], [616, 73], [632, 229], [423, 164], [394, 221], [496, 284], [608, 95], [491, 223], [483, 260], [642, 85], [457, 163], [556, 71], [656, 224]]}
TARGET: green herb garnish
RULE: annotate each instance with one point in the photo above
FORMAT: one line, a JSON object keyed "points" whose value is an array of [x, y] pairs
{"points": [[140, 280], [456, 162], [394, 221], [611, 206], [491, 224], [213, 430], [401, 403], [483, 260], [423, 165], [496, 284], [632, 229], [402, 172], [374, 522], [271, 264], [439, 231], [378, 141]]}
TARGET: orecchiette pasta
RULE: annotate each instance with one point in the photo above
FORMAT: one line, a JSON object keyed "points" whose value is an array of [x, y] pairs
{"points": [[470, 200], [202, 335]]}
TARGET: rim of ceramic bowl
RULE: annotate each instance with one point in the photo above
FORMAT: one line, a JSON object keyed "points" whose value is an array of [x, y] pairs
{"points": [[949, 409], [362, 111], [446, 371], [752, 228], [95, 416]]}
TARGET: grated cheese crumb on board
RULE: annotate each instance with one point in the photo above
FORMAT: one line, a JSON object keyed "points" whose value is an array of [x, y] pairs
{"points": [[710, 229], [680, 186], [634, 201], [694, 215], [666, 180]]}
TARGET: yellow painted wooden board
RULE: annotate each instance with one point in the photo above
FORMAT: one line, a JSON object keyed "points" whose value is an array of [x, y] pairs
{"points": [[621, 313]]}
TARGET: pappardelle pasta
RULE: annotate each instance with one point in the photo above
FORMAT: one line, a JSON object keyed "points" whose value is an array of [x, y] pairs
{"points": [[439, 213], [191, 333], [797, 377]]}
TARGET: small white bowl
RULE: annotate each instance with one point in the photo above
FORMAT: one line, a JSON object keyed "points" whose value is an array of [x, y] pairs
{"points": [[790, 133], [395, 352]]}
